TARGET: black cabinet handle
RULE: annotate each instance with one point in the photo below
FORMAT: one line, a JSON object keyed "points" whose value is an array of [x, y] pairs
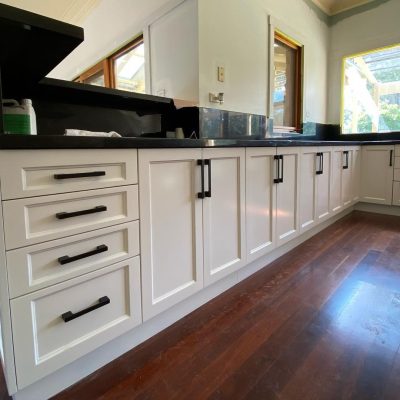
{"points": [[391, 159], [346, 166], [201, 195], [79, 175], [208, 163], [281, 177], [278, 174], [64, 215], [322, 163], [319, 170], [66, 259], [69, 315]]}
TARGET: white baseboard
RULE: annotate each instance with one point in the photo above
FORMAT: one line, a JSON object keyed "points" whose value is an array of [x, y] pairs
{"points": [[378, 208], [72, 373]]}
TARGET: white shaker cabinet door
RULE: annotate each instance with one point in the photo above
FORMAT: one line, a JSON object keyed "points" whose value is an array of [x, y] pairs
{"points": [[260, 201], [171, 227], [377, 174], [323, 186], [356, 174], [287, 198], [347, 187], [224, 212], [336, 202], [310, 164]]}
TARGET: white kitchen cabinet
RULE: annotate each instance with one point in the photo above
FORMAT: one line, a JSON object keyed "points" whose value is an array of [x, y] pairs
{"points": [[272, 198], [336, 203], [310, 164], [396, 193], [356, 173], [287, 195], [323, 184], [347, 184], [260, 201], [377, 174], [315, 167], [192, 205], [224, 213], [171, 227], [56, 325]]}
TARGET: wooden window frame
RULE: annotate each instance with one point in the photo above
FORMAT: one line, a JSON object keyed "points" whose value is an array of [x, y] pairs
{"points": [[107, 64], [124, 50], [298, 81]]}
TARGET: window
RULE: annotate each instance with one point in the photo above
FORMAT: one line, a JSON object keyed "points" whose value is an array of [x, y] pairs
{"points": [[371, 91], [123, 70], [287, 83]]}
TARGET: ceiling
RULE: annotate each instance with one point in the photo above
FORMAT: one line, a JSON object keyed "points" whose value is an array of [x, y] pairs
{"points": [[71, 11], [332, 7]]}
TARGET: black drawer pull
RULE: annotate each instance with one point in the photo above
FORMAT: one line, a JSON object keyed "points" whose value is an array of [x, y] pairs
{"points": [[208, 163], [64, 215], [201, 195], [69, 315], [67, 259], [346, 166], [79, 175], [320, 170], [278, 169]]}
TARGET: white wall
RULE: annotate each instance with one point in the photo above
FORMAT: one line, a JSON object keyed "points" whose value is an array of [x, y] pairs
{"points": [[174, 53], [186, 50], [234, 33], [111, 24], [369, 30]]}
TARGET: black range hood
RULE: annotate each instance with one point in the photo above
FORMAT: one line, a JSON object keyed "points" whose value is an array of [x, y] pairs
{"points": [[31, 45]]}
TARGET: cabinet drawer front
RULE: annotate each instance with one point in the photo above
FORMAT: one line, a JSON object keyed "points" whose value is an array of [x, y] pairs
{"points": [[102, 305], [397, 174], [397, 162], [30, 173], [397, 150], [39, 219], [38, 266]]}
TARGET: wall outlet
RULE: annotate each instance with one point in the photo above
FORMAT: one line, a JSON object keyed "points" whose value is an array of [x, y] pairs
{"points": [[221, 74]]}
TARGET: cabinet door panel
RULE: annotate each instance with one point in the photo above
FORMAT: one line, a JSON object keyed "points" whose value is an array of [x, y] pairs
{"points": [[224, 223], [260, 201], [336, 203], [347, 188], [287, 198], [323, 186], [308, 168], [171, 227], [377, 175], [396, 193], [356, 174]]}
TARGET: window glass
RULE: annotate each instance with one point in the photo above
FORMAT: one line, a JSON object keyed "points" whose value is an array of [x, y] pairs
{"points": [[287, 97], [97, 79], [371, 92], [129, 70]]}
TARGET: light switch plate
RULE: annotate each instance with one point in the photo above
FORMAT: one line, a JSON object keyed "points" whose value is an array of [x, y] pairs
{"points": [[221, 74]]}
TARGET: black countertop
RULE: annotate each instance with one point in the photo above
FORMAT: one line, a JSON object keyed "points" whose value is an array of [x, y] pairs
{"points": [[13, 142]]}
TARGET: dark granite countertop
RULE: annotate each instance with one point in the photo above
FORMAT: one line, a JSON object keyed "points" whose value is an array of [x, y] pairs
{"points": [[73, 142]]}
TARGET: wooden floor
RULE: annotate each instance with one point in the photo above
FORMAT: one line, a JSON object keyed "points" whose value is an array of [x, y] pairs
{"points": [[322, 322]]}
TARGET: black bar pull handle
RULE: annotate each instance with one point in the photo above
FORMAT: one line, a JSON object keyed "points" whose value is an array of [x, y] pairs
{"points": [[79, 175], [281, 177], [319, 170], [208, 163], [64, 215], [278, 174], [67, 259], [201, 195], [346, 166], [69, 315], [391, 159], [322, 163]]}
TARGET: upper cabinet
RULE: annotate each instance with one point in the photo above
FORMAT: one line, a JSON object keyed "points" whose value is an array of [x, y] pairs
{"points": [[377, 174]]}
